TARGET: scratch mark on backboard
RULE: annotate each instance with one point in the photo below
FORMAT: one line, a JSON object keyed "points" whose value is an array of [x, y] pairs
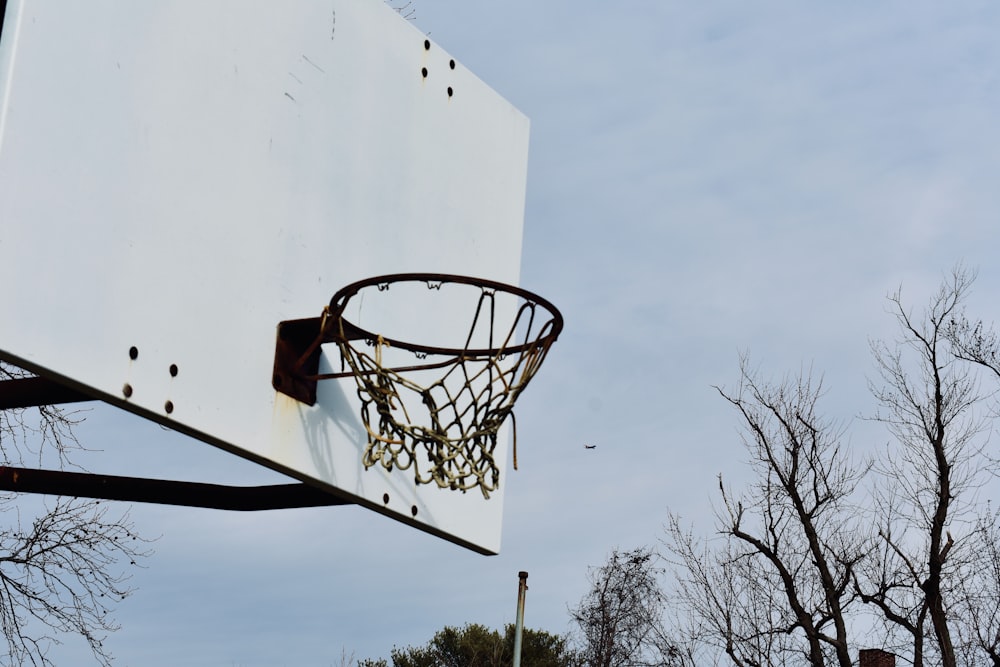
{"points": [[295, 77], [290, 97], [306, 58]]}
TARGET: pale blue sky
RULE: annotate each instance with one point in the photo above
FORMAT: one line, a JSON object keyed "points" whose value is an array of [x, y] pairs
{"points": [[705, 178]]}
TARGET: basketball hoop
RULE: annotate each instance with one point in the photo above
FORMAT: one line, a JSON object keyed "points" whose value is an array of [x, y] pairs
{"points": [[439, 412]]}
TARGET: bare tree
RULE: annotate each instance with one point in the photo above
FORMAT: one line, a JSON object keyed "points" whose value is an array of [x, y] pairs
{"points": [[790, 535], [727, 602], [977, 592], [816, 533], [974, 342], [620, 619], [928, 398], [62, 571], [404, 9], [976, 596]]}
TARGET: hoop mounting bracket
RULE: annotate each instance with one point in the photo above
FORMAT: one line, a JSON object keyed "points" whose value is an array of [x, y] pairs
{"points": [[296, 358], [297, 352]]}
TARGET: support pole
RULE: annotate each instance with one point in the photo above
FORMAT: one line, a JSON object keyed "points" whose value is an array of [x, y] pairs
{"points": [[34, 391], [522, 586], [164, 492]]}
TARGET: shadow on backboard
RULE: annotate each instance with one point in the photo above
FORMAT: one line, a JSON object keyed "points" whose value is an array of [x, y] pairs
{"points": [[334, 419]]}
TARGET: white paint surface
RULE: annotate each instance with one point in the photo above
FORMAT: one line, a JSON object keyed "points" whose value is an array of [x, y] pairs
{"points": [[183, 177]]}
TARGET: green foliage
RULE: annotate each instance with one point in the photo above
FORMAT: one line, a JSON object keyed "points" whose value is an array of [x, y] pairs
{"points": [[476, 645], [541, 649]]}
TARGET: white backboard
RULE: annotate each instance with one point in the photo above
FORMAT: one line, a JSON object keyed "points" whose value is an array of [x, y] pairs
{"points": [[178, 177]]}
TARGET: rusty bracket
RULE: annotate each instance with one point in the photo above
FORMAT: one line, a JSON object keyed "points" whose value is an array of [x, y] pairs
{"points": [[296, 358], [297, 353]]}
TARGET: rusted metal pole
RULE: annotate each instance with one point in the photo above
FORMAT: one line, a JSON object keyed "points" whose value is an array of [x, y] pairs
{"points": [[522, 586], [35, 391], [164, 492]]}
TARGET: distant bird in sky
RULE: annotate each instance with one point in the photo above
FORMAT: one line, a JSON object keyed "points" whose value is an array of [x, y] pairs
{"points": [[590, 446]]}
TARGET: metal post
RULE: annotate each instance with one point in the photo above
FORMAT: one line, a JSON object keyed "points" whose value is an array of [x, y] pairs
{"points": [[522, 586]]}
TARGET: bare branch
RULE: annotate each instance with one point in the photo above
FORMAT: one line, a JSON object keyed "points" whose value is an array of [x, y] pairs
{"points": [[795, 551], [619, 620], [62, 572]]}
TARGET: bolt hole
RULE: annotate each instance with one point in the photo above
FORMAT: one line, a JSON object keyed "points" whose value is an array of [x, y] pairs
{"points": [[133, 353], [451, 64], [127, 389], [427, 45], [173, 370], [385, 498], [423, 70], [413, 510], [168, 406], [450, 91]]}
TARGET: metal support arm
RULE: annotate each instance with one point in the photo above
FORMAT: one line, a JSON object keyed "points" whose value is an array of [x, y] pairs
{"points": [[164, 492], [34, 391]]}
